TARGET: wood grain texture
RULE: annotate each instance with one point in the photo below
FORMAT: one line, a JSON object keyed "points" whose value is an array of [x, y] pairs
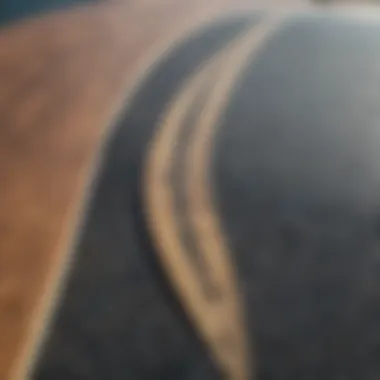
{"points": [[63, 80]]}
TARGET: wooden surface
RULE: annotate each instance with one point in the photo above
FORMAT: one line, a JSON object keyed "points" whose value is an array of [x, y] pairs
{"points": [[63, 80]]}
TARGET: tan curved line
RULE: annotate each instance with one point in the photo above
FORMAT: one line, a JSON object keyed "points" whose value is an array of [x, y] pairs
{"points": [[158, 192], [202, 210], [161, 214], [223, 319]]}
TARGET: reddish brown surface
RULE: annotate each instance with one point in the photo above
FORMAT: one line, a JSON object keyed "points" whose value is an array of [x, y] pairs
{"points": [[63, 79]]}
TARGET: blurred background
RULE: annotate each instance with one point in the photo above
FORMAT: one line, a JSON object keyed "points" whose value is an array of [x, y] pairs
{"points": [[12, 10]]}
